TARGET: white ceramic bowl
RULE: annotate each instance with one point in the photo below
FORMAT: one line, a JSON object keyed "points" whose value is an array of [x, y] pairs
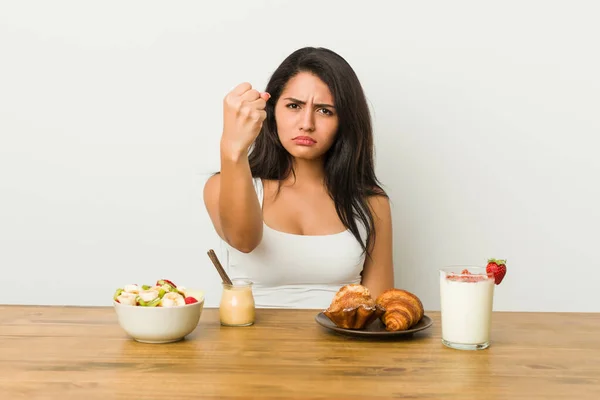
{"points": [[159, 324]]}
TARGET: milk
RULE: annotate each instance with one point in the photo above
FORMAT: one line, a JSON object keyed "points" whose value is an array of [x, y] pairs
{"points": [[466, 311]]}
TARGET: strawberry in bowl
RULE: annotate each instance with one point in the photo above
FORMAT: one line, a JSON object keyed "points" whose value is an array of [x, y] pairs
{"points": [[159, 313]]}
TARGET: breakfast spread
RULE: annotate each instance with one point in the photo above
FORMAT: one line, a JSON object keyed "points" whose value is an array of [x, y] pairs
{"points": [[162, 294], [353, 308]]}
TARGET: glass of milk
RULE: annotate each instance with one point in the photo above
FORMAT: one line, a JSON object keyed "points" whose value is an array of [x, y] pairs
{"points": [[466, 296]]}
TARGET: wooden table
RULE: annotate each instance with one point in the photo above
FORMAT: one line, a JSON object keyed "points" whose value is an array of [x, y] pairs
{"points": [[82, 353]]}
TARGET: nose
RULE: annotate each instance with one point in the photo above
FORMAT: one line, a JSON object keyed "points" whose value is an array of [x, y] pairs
{"points": [[307, 122]]}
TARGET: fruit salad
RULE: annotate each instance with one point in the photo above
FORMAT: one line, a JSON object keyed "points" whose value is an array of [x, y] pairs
{"points": [[163, 294]]}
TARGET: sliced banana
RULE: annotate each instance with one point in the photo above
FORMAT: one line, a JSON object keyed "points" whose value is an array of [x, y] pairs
{"points": [[131, 289], [127, 299], [148, 295], [172, 299]]}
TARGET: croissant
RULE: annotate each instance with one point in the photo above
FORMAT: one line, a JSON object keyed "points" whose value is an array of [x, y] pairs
{"points": [[353, 307], [402, 309], [352, 296]]}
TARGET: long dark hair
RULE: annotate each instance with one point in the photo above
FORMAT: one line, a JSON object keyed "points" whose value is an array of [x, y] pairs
{"points": [[349, 169]]}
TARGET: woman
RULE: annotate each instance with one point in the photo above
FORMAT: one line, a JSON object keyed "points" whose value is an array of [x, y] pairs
{"points": [[297, 201]]}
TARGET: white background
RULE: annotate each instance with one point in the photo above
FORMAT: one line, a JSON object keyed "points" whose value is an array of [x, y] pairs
{"points": [[486, 123]]}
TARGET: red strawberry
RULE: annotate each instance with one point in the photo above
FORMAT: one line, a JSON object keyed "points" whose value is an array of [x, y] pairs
{"points": [[190, 300], [497, 269]]}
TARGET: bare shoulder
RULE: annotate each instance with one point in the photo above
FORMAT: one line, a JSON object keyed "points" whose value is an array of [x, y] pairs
{"points": [[380, 204], [270, 188]]}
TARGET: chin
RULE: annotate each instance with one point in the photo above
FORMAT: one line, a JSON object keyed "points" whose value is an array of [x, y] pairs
{"points": [[306, 153]]}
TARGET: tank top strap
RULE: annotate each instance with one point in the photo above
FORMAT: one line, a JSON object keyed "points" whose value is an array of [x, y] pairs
{"points": [[258, 187]]}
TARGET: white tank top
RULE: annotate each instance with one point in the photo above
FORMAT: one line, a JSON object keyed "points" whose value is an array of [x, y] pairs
{"points": [[297, 271]]}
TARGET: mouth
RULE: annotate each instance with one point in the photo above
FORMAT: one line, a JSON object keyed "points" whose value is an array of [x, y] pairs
{"points": [[304, 140]]}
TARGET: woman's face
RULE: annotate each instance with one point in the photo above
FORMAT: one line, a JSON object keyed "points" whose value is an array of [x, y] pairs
{"points": [[306, 117]]}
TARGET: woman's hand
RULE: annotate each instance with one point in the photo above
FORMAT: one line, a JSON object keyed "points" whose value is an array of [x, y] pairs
{"points": [[243, 116]]}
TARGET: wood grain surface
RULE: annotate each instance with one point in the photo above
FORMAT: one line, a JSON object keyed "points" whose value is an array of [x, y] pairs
{"points": [[82, 353]]}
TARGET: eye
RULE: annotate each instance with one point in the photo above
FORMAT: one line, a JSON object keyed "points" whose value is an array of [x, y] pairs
{"points": [[325, 111], [293, 106]]}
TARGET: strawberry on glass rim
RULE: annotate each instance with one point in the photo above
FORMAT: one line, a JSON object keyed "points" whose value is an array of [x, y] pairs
{"points": [[496, 269]]}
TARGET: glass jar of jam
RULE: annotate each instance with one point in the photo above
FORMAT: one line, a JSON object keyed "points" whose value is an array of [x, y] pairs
{"points": [[237, 306]]}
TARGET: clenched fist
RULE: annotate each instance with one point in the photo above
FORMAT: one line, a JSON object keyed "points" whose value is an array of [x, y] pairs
{"points": [[243, 116]]}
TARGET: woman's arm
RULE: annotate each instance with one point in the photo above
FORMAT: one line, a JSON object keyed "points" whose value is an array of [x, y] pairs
{"points": [[378, 271], [230, 197], [233, 205]]}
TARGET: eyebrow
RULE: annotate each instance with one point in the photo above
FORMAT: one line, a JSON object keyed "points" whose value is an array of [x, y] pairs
{"points": [[303, 102]]}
